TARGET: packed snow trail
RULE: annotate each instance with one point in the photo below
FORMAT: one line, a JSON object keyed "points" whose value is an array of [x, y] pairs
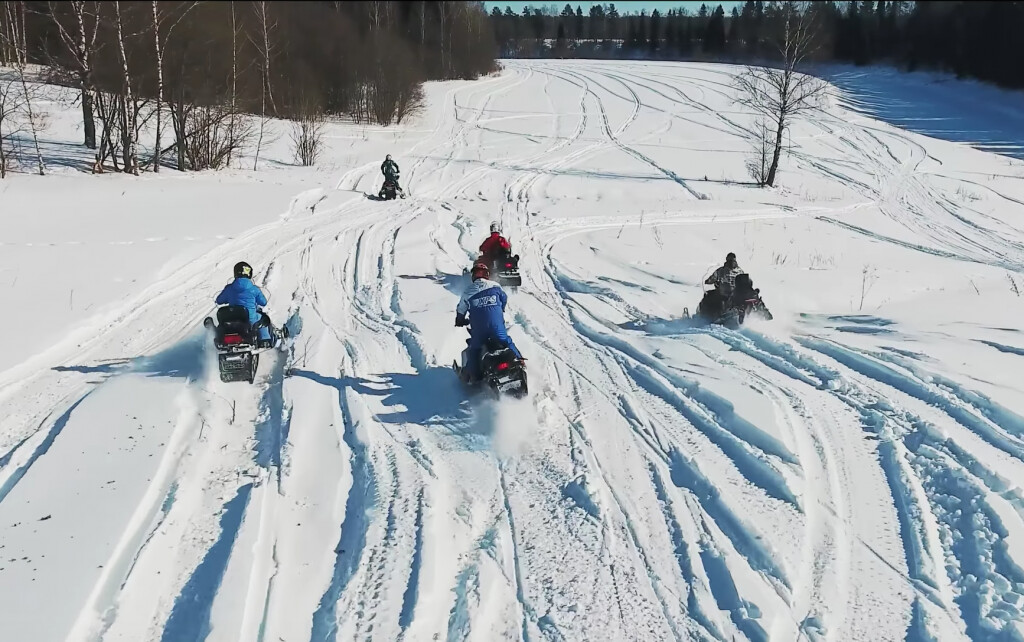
{"points": [[848, 471]]}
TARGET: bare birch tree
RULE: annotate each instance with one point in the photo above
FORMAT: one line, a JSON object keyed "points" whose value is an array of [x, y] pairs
{"points": [[10, 107], [266, 26], [782, 92], [18, 40], [234, 76], [160, 46], [159, 83], [129, 110], [444, 13], [267, 93], [79, 37]]}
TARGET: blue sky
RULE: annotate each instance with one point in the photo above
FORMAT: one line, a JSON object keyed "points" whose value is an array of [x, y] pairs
{"points": [[692, 7]]}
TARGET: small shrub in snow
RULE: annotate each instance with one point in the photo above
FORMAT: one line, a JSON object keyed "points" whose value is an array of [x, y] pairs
{"points": [[307, 138], [868, 276]]}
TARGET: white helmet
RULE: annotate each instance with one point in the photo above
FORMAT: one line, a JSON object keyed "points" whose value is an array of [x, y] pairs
{"points": [[496, 227]]}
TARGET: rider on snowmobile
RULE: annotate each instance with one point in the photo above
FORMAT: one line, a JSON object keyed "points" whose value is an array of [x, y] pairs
{"points": [[243, 292], [390, 169], [494, 246], [724, 278], [482, 307]]}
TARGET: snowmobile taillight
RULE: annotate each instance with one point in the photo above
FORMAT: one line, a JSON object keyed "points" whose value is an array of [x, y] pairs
{"points": [[232, 338], [508, 265], [503, 365]]}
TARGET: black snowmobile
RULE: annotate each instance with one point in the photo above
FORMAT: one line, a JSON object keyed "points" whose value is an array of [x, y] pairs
{"points": [[390, 189], [500, 370], [504, 270], [731, 312], [238, 343]]}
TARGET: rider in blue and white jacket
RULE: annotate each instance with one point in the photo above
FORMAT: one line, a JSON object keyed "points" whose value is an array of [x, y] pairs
{"points": [[484, 302], [243, 292]]}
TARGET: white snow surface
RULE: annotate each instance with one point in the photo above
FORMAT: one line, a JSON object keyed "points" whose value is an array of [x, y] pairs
{"points": [[850, 470]]}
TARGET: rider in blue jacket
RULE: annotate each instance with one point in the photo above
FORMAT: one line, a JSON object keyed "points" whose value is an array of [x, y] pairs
{"points": [[484, 302], [243, 292]]}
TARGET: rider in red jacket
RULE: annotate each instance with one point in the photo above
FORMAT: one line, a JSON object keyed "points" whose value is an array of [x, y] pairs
{"points": [[495, 245]]}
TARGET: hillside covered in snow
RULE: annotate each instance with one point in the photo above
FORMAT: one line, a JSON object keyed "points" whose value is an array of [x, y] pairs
{"points": [[850, 470]]}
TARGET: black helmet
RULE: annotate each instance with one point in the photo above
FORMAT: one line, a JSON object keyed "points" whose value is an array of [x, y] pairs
{"points": [[730, 257], [243, 270]]}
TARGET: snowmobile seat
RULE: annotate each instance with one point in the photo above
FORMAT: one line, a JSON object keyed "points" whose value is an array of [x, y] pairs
{"points": [[233, 319], [232, 314], [495, 345]]}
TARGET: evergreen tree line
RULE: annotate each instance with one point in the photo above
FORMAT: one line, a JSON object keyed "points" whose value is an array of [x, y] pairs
{"points": [[972, 39], [202, 70]]}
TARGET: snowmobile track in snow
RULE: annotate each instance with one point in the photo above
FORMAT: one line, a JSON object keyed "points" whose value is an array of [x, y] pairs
{"points": [[661, 482]]}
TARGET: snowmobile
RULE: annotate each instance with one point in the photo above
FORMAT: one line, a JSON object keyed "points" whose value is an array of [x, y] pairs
{"points": [[390, 189], [238, 343], [500, 370], [504, 270], [745, 302]]}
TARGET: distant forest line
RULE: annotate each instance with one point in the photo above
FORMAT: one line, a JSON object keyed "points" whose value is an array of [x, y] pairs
{"points": [[983, 40]]}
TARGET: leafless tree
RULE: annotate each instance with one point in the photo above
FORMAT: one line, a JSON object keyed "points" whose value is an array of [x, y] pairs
{"points": [[266, 26], [129, 108], [10, 108], [307, 137], [16, 37], [423, 26], [78, 33], [781, 92], [107, 111], [444, 12], [159, 83], [7, 56], [759, 162], [234, 74], [159, 48], [868, 276], [208, 135]]}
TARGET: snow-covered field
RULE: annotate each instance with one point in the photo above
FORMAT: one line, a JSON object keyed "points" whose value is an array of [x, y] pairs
{"points": [[849, 471]]}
